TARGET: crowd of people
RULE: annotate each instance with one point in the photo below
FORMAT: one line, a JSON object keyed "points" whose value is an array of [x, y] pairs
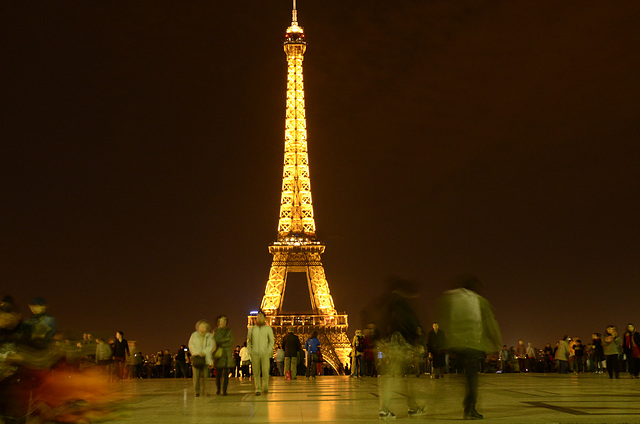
{"points": [[394, 345], [609, 352]]}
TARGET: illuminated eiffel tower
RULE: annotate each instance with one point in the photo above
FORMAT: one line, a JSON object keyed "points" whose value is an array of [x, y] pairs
{"points": [[296, 249]]}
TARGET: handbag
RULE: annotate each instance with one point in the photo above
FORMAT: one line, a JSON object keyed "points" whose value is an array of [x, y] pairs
{"points": [[198, 362], [218, 353]]}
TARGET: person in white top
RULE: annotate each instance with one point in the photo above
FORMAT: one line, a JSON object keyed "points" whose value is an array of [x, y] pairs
{"points": [[260, 343], [201, 345], [245, 360]]}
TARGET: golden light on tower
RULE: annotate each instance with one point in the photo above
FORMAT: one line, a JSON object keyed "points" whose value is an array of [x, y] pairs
{"points": [[296, 248]]}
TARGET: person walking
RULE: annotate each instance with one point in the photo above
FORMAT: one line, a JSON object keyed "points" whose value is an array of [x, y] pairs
{"points": [[311, 346], [223, 355], [260, 344], [612, 347], [472, 333], [291, 345], [201, 345], [397, 341]]}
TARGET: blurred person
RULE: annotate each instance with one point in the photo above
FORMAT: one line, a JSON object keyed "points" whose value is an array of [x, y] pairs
{"points": [[278, 357], [369, 353], [612, 347], [132, 362], [521, 355], [531, 357], [319, 362], [472, 333], [421, 356], [578, 352], [598, 352], [504, 360], [436, 346], [260, 344], [120, 354], [357, 349], [396, 340], [181, 362], [41, 326], [548, 357], [311, 346], [201, 346], [88, 349], [138, 360], [291, 345], [103, 355], [167, 362], [631, 348], [245, 360], [223, 356], [14, 396], [562, 355], [157, 368], [236, 358]]}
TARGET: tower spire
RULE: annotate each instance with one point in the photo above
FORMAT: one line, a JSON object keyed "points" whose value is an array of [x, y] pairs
{"points": [[294, 14]]}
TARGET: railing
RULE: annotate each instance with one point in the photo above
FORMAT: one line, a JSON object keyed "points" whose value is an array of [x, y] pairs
{"points": [[304, 320]]}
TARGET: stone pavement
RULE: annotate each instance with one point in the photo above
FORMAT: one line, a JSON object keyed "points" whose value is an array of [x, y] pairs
{"points": [[509, 398]]}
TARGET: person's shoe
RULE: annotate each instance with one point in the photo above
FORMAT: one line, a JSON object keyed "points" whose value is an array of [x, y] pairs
{"points": [[224, 393], [418, 412], [197, 394], [218, 391], [473, 415], [386, 415], [258, 393]]}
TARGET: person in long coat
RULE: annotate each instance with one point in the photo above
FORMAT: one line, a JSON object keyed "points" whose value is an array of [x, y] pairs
{"points": [[223, 356], [201, 344]]}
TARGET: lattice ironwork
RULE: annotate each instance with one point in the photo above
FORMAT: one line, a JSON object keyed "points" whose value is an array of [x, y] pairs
{"points": [[296, 248]]}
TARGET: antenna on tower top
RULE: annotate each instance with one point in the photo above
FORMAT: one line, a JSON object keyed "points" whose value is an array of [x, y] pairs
{"points": [[294, 14]]}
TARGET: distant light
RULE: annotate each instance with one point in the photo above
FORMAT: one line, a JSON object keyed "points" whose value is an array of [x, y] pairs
{"points": [[253, 313]]}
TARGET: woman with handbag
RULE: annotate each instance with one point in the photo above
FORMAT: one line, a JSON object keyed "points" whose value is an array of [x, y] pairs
{"points": [[201, 345], [223, 355]]}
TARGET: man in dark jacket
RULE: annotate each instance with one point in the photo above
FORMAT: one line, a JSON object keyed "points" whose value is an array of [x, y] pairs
{"points": [[291, 345]]}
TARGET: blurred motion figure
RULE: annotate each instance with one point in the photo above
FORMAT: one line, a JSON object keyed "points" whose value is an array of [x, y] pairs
{"points": [[472, 333], [396, 343]]}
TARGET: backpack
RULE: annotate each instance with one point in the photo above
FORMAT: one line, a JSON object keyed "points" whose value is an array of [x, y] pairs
{"points": [[360, 345]]}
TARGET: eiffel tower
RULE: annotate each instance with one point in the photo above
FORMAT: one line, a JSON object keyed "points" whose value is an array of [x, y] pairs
{"points": [[296, 249]]}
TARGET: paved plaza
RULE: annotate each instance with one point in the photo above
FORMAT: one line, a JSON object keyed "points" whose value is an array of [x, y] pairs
{"points": [[510, 398]]}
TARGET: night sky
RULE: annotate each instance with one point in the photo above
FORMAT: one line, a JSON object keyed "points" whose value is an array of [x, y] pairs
{"points": [[143, 147]]}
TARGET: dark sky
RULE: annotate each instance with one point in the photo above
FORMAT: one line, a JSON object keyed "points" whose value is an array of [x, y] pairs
{"points": [[143, 145]]}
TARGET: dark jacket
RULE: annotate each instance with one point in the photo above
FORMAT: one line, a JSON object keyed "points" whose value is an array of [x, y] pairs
{"points": [[291, 345], [437, 341], [224, 340]]}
